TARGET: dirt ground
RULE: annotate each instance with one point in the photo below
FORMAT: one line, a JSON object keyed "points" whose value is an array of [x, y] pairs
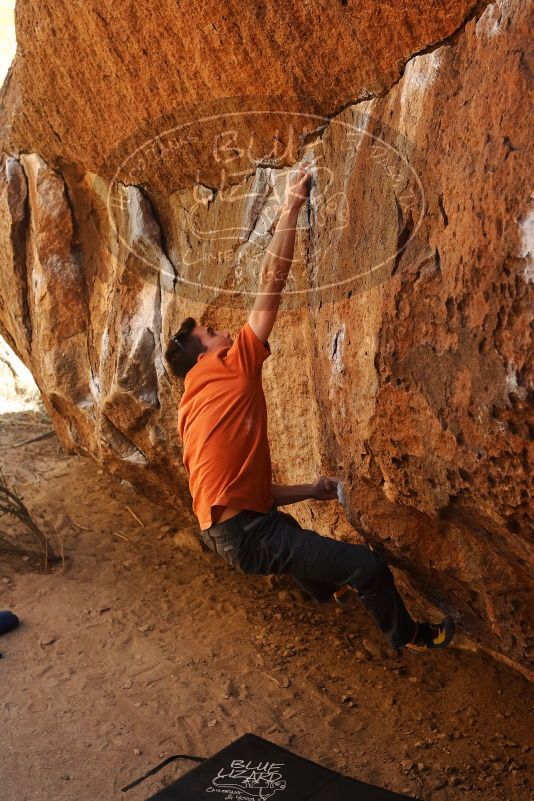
{"points": [[136, 649]]}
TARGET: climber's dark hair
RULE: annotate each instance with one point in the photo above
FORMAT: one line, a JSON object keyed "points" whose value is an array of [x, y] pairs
{"points": [[183, 349]]}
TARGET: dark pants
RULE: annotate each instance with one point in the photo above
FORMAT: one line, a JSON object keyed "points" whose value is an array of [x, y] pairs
{"points": [[275, 543]]}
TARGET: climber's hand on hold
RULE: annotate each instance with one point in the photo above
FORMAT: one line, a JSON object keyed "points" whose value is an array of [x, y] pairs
{"points": [[325, 489], [298, 187]]}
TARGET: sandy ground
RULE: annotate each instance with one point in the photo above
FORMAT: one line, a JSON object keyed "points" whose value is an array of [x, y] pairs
{"points": [[136, 649]]}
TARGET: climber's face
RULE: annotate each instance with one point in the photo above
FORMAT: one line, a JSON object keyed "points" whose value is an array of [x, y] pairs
{"points": [[211, 338]]}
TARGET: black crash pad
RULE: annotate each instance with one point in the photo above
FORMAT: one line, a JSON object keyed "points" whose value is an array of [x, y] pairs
{"points": [[253, 769]]}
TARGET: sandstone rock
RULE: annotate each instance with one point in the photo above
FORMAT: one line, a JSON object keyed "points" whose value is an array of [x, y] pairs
{"points": [[406, 321], [317, 58]]}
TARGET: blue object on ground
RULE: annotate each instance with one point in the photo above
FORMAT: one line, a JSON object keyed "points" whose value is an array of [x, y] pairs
{"points": [[8, 622]]}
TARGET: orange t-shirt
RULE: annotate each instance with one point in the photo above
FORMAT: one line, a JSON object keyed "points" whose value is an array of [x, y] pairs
{"points": [[222, 421]]}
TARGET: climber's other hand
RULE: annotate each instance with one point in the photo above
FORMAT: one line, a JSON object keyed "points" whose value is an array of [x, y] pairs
{"points": [[325, 489]]}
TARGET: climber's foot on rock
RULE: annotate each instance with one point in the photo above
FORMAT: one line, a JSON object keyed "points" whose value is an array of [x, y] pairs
{"points": [[429, 636]]}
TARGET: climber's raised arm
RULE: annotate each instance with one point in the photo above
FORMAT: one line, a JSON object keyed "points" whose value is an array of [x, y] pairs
{"points": [[277, 260]]}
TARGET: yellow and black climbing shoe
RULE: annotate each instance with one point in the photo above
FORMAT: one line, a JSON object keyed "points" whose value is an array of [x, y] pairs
{"points": [[432, 635]]}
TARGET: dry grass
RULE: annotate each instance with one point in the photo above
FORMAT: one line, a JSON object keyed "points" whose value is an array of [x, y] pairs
{"points": [[19, 532]]}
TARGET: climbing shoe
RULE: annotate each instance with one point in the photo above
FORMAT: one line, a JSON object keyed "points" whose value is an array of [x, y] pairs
{"points": [[342, 596], [432, 635]]}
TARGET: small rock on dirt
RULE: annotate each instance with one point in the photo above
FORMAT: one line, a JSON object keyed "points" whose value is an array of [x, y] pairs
{"points": [[372, 648], [188, 539]]}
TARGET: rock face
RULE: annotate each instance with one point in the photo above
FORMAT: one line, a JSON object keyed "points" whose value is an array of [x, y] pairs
{"points": [[141, 178], [117, 65]]}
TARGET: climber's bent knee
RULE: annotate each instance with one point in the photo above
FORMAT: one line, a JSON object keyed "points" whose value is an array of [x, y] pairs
{"points": [[374, 574]]}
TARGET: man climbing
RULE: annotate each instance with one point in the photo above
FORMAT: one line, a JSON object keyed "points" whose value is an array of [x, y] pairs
{"points": [[222, 421]]}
